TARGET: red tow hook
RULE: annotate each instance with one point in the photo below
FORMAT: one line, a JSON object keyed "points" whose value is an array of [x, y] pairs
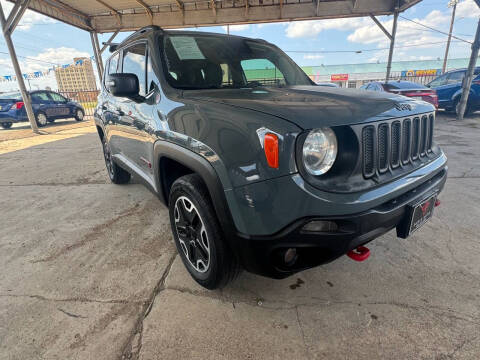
{"points": [[361, 253], [437, 202]]}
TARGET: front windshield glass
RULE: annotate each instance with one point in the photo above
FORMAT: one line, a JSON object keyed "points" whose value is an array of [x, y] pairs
{"points": [[210, 62]]}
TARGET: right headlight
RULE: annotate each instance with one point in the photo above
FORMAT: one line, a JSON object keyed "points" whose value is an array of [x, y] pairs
{"points": [[319, 151]]}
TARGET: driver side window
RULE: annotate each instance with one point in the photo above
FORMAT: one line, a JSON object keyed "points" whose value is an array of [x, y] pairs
{"points": [[442, 80]]}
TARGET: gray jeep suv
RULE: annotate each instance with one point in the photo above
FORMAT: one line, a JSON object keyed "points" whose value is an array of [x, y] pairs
{"points": [[260, 168]]}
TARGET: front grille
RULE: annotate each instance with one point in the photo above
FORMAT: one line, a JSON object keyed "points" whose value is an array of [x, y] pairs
{"points": [[388, 145]]}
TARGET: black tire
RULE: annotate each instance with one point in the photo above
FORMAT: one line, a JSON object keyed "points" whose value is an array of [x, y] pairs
{"points": [[456, 106], [79, 114], [7, 125], [116, 174], [222, 265], [41, 119]]}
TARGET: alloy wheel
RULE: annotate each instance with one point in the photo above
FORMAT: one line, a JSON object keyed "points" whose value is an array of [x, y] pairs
{"points": [[107, 154], [42, 119], [192, 235], [79, 115]]}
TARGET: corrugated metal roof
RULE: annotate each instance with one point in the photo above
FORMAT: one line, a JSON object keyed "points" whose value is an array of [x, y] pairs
{"points": [[125, 15]]}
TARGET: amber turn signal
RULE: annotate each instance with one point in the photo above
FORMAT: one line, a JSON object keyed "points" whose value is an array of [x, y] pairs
{"points": [[270, 145]]}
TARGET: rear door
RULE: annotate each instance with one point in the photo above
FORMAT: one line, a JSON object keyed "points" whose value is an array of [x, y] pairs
{"points": [[444, 89], [42, 102]]}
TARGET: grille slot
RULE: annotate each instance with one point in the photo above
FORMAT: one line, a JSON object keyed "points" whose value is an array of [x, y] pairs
{"points": [[424, 136], [395, 149], [431, 123], [407, 140], [390, 144], [383, 144], [368, 141], [415, 138]]}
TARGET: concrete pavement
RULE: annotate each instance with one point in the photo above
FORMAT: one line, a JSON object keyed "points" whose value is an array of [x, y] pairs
{"points": [[89, 271]]}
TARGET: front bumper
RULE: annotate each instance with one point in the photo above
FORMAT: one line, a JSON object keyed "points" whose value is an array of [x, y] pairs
{"points": [[263, 254]]}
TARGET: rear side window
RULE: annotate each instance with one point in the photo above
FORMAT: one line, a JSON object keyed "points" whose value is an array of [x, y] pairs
{"points": [[57, 97], [134, 62], [40, 96]]}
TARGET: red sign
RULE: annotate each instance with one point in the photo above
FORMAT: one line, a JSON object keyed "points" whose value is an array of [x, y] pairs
{"points": [[339, 77]]}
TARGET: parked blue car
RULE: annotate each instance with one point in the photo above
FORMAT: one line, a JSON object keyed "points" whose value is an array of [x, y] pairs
{"points": [[449, 90], [47, 107]]}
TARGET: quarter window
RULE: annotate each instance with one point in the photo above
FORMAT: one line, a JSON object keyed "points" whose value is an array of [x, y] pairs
{"points": [[40, 96], [134, 62]]}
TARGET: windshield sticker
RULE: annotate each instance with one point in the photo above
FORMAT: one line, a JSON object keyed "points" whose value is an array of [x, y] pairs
{"points": [[186, 48]]}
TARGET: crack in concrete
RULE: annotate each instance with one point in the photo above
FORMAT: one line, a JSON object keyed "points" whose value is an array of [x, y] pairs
{"points": [[71, 314], [91, 236], [302, 333], [73, 299], [131, 350]]}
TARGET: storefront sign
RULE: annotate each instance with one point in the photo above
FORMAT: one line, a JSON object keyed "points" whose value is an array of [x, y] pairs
{"points": [[339, 77], [429, 72]]}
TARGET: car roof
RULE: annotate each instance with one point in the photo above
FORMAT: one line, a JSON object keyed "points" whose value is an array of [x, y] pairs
{"points": [[402, 84]]}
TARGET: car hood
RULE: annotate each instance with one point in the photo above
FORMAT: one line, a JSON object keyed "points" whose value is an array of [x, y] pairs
{"points": [[315, 106]]}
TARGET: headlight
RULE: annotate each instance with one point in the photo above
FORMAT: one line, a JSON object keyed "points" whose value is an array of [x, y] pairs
{"points": [[319, 151]]}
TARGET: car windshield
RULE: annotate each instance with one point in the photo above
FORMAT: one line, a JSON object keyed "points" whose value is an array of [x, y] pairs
{"points": [[210, 62], [8, 96]]}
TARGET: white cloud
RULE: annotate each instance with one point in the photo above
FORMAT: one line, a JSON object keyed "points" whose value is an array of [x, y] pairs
{"points": [[313, 56], [29, 19], [311, 28], [237, 28], [467, 9], [47, 58]]}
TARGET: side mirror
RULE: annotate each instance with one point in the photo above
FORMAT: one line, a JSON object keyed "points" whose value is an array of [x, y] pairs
{"points": [[124, 85]]}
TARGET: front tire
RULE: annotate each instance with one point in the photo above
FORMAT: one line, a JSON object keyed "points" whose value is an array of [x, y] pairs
{"points": [[79, 114], [116, 174], [198, 236], [41, 119], [7, 125]]}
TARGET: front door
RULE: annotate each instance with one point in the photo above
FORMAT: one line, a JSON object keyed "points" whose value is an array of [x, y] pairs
{"points": [[60, 108], [135, 118]]}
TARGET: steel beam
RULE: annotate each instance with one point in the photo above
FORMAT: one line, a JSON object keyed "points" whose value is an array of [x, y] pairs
{"points": [[18, 72], [109, 41], [467, 81], [96, 52], [379, 24], [392, 45]]}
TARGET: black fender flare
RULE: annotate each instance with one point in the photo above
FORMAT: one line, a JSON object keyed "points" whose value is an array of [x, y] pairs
{"points": [[200, 166]]}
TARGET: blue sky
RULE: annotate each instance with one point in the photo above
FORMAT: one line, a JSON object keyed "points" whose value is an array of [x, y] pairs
{"points": [[43, 39]]}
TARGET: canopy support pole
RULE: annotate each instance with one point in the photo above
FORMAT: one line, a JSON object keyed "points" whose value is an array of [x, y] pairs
{"points": [[392, 45], [96, 52], [467, 81], [7, 33]]}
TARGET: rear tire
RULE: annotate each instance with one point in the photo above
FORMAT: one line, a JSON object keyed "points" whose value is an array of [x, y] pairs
{"points": [[7, 125], [41, 119], [198, 236], [79, 114], [116, 174]]}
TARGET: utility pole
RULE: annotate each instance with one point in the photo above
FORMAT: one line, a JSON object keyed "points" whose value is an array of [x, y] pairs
{"points": [[467, 81], [452, 3]]}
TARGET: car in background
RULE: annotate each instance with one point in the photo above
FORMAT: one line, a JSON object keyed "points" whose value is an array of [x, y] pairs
{"points": [[405, 88], [328, 84], [48, 106], [449, 90]]}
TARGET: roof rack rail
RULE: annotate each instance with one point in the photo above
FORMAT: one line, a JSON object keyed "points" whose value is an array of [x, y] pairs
{"points": [[142, 31]]}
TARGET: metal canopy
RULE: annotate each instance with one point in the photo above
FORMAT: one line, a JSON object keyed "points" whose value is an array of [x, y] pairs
{"points": [[125, 15]]}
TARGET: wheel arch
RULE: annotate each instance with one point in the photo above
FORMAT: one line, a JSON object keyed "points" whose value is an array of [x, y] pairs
{"points": [[170, 154]]}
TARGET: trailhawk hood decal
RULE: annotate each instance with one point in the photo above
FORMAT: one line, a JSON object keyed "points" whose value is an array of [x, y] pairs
{"points": [[315, 106]]}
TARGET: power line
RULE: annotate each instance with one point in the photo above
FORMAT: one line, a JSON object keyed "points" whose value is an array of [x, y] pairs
{"points": [[358, 51], [431, 28], [32, 59]]}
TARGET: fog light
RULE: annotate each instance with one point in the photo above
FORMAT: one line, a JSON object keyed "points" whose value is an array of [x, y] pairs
{"points": [[321, 226], [290, 256]]}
